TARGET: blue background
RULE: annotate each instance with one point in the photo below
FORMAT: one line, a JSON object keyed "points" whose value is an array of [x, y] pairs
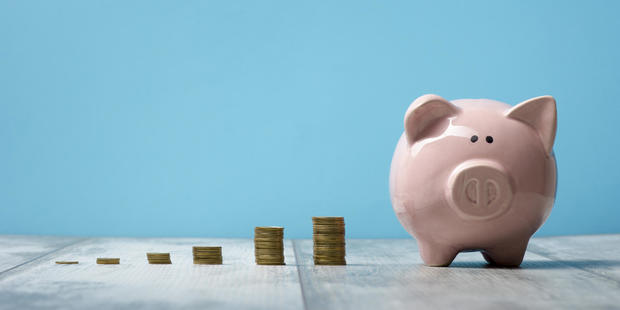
{"points": [[203, 118]]}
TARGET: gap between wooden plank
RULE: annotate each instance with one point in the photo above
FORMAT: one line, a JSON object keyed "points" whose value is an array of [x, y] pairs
{"points": [[298, 263], [6, 271]]}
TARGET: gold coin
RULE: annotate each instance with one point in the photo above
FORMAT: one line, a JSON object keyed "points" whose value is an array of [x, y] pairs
{"points": [[157, 255], [207, 262], [270, 237], [328, 237], [275, 241], [268, 246], [274, 232], [67, 262], [326, 226], [329, 243], [207, 248], [328, 258], [269, 256], [257, 249], [268, 229], [329, 223], [329, 246], [260, 253], [269, 260], [269, 241], [208, 257], [280, 250], [328, 230], [328, 219], [271, 263], [329, 253], [333, 263], [207, 252]]}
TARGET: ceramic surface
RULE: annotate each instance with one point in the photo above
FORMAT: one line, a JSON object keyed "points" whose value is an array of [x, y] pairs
{"points": [[474, 174]]}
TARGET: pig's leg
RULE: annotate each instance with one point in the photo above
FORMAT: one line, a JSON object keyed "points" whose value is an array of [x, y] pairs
{"points": [[507, 255], [435, 255]]}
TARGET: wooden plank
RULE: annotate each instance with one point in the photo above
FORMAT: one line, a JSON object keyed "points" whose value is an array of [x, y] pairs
{"points": [[388, 274], [19, 249], [596, 253], [134, 284]]}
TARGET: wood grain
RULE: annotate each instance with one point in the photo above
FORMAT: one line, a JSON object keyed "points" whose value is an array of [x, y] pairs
{"points": [[19, 249], [388, 274], [135, 284], [579, 272], [599, 254]]}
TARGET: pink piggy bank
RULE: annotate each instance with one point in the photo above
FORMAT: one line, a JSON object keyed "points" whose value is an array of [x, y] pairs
{"points": [[474, 175]]}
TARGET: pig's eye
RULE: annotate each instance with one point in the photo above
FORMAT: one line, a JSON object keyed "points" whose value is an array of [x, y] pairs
{"points": [[474, 138], [489, 139]]}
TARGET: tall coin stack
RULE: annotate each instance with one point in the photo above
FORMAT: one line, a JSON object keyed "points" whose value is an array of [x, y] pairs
{"points": [[207, 255], [269, 245], [329, 240], [158, 258]]}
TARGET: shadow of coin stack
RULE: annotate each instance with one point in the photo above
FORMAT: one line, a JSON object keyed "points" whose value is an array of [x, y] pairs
{"points": [[158, 258], [329, 240], [207, 255], [269, 245]]}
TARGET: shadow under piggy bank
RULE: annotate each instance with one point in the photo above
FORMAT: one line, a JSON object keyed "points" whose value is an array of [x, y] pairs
{"points": [[546, 264]]}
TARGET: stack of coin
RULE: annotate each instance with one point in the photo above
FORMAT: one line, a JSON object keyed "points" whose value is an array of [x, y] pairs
{"points": [[269, 245], [207, 255], [158, 258], [329, 240], [67, 262], [108, 261]]}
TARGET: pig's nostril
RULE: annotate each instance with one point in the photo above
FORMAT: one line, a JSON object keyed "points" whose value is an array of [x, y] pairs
{"points": [[491, 188], [471, 191]]}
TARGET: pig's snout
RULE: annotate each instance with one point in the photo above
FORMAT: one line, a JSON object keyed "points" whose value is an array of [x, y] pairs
{"points": [[479, 190]]}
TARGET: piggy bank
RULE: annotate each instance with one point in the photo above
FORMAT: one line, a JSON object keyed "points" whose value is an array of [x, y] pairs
{"points": [[474, 175]]}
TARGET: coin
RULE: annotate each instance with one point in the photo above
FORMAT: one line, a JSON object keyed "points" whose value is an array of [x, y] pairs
{"points": [[330, 262], [327, 219]]}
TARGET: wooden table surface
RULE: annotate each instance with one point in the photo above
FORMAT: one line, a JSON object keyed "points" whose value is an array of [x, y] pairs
{"points": [[576, 272]]}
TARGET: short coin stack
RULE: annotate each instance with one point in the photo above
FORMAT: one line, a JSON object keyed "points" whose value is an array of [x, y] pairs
{"points": [[269, 245], [329, 240], [108, 261], [67, 262], [158, 258], [207, 255]]}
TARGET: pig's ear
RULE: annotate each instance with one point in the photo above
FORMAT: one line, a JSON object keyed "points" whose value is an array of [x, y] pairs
{"points": [[425, 114], [539, 113]]}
